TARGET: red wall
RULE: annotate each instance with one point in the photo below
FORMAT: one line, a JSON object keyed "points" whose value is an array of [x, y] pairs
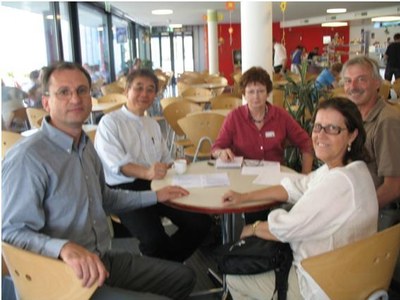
{"points": [[308, 36]]}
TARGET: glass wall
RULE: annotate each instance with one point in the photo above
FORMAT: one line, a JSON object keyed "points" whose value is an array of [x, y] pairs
{"points": [[66, 36], [93, 31], [122, 45]]}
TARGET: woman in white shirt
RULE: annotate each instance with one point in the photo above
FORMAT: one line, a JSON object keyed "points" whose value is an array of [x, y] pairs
{"points": [[333, 206]]}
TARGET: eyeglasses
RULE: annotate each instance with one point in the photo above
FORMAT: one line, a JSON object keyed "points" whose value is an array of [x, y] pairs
{"points": [[253, 163], [329, 129], [65, 93], [256, 92], [140, 89]]}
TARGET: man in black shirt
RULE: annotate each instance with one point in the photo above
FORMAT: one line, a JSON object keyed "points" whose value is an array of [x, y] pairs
{"points": [[392, 57]]}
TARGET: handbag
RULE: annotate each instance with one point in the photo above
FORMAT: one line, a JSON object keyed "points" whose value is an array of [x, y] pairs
{"points": [[253, 255]]}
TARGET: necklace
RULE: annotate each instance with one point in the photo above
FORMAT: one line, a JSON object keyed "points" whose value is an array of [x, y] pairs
{"points": [[258, 121]]}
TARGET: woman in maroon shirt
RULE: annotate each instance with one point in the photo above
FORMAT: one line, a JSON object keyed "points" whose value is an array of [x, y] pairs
{"points": [[260, 130]]}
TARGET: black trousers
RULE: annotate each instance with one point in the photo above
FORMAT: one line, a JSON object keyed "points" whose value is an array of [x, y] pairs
{"points": [[145, 224]]}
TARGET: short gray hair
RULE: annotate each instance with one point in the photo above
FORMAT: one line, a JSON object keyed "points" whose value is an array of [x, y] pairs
{"points": [[363, 61]]}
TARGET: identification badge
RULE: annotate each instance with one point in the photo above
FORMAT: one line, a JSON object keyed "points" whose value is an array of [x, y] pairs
{"points": [[269, 134]]}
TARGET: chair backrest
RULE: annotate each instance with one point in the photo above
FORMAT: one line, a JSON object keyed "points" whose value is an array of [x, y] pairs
{"points": [[192, 91], [218, 80], [177, 110], [8, 139], [384, 90], [201, 125], [38, 277], [167, 101], [112, 88], [118, 99], [278, 97], [225, 102], [35, 115], [359, 269], [396, 87]]}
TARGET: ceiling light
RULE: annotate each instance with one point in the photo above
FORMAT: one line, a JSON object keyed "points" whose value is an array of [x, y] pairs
{"points": [[175, 25], [334, 24], [162, 12], [336, 10], [386, 19]]}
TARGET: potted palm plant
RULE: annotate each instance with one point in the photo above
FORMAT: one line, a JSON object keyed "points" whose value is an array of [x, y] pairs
{"points": [[301, 100]]}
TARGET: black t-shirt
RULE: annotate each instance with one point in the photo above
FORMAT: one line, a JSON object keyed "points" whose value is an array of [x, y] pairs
{"points": [[393, 53]]}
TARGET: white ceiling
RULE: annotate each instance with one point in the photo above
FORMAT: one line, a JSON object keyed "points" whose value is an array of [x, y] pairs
{"points": [[192, 13]]}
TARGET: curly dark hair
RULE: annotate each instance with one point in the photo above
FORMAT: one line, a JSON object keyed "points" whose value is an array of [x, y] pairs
{"points": [[141, 73], [254, 75], [353, 120]]}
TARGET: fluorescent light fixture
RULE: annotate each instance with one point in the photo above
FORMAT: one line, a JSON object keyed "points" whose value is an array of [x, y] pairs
{"points": [[334, 24], [386, 19], [336, 10], [162, 12], [175, 25]]}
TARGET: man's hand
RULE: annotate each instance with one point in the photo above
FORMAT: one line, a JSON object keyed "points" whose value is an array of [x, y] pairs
{"points": [[86, 265], [170, 193], [157, 171]]}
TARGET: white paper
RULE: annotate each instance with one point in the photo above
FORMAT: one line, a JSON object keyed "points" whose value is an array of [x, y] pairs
{"points": [[255, 167], [201, 180], [235, 163], [267, 178]]}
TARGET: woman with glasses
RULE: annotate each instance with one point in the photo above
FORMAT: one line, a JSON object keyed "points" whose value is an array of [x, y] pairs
{"points": [[333, 206], [259, 130], [133, 152]]}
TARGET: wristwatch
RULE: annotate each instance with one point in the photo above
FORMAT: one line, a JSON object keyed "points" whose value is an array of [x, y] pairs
{"points": [[255, 224]]}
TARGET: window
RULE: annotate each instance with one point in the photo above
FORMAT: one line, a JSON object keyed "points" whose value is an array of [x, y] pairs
{"points": [[121, 43]]}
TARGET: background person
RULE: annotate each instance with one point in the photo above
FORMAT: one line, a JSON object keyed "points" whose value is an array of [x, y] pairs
{"points": [[329, 77], [133, 152], [392, 58], [55, 200], [333, 206], [280, 58], [382, 123], [260, 130]]}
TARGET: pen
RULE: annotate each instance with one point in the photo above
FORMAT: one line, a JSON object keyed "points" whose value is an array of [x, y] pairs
{"points": [[152, 139]]}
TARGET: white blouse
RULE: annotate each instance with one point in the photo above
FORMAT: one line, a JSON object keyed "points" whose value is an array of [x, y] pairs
{"points": [[123, 137], [332, 208]]}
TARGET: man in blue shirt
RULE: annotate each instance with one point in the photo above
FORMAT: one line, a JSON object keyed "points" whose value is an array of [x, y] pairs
{"points": [[55, 200]]}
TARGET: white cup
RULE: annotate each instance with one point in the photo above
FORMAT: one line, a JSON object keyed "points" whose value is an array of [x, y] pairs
{"points": [[180, 166]]}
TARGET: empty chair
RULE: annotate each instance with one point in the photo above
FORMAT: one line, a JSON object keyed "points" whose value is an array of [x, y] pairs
{"points": [[117, 99], [201, 129], [384, 90], [358, 270], [8, 139], [112, 88], [225, 102], [167, 101], [192, 91], [38, 277], [172, 113], [35, 116], [396, 87], [217, 80]]}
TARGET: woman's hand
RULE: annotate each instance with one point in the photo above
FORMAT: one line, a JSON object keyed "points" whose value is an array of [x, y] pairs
{"points": [[224, 154], [231, 197], [171, 193]]}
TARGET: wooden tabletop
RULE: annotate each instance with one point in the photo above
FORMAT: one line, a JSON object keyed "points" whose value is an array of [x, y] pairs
{"points": [[209, 199]]}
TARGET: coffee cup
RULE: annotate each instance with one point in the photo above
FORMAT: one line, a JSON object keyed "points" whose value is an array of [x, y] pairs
{"points": [[180, 166]]}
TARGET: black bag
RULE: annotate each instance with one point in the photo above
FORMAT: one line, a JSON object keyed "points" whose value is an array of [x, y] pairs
{"points": [[253, 255]]}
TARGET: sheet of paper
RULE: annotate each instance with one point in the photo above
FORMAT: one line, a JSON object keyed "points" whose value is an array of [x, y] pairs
{"points": [[268, 178], [256, 167], [235, 163], [201, 180]]}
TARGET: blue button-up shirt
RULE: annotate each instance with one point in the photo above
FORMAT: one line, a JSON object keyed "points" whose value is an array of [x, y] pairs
{"points": [[55, 192]]}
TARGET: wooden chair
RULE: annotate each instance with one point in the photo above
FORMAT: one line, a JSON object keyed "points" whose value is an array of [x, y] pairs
{"points": [[218, 80], [358, 270], [225, 102], [167, 101], [118, 99], [192, 91], [8, 139], [112, 88], [278, 97], [396, 87], [202, 130], [384, 90], [172, 113], [35, 115], [38, 277]]}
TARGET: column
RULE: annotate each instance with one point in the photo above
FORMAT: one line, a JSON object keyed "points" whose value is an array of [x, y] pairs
{"points": [[212, 26], [257, 40]]}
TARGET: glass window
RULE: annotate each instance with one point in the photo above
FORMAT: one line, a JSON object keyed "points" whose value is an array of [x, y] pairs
{"points": [[29, 29], [188, 52], [155, 52], [66, 32], [166, 63], [94, 42], [121, 44]]}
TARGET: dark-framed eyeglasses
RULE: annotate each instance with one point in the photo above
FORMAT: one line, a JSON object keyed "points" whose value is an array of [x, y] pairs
{"points": [[65, 93], [329, 129]]}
